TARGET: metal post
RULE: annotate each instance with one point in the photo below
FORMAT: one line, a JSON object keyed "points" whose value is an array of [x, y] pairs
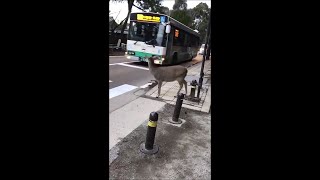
{"points": [[209, 46], [193, 88], [193, 92], [177, 108], [149, 147], [204, 56]]}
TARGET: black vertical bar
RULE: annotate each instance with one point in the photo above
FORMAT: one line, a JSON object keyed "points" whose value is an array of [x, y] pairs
{"points": [[177, 108], [204, 56], [151, 132]]}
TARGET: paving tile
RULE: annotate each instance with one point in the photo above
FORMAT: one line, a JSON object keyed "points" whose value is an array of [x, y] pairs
{"points": [[169, 98]]}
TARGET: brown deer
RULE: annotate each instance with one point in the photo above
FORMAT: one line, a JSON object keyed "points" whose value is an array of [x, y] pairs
{"points": [[168, 74]]}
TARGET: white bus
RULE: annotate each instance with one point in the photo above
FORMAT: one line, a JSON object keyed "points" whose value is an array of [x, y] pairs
{"points": [[152, 34]]}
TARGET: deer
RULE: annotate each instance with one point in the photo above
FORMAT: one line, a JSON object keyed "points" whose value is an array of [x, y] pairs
{"points": [[167, 74]]}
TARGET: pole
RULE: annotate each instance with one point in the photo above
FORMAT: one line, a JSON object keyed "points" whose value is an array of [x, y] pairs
{"points": [[177, 109], [209, 46], [193, 88], [204, 56], [149, 147]]}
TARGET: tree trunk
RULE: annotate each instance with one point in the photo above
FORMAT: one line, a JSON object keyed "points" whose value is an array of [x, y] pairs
{"points": [[130, 3], [113, 29]]}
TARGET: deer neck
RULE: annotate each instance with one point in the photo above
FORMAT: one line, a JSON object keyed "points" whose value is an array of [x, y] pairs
{"points": [[151, 65]]}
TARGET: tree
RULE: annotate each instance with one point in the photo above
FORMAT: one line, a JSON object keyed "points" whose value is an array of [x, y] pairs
{"points": [[180, 5], [125, 21], [152, 5], [182, 16], [164, 10], [112, 24], [200, 16], [181, 13]]}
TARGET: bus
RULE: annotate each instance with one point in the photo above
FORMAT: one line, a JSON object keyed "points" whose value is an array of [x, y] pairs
{"points": [[153, 34]]}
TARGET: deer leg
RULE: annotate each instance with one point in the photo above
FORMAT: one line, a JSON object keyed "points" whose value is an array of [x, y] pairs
{"points": [[185, 86], [181, 84], [159, 88]]}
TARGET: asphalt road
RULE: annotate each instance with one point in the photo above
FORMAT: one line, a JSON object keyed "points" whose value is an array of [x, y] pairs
{"points": [[120, 74], [128, 80]]}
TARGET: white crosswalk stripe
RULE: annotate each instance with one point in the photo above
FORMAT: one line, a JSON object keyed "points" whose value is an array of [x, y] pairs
{"points": [[117, 91], [146, 85], [138, 67], [120, 63]]}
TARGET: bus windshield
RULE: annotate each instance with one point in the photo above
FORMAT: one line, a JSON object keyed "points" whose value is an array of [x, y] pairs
{"points": [[145, 32]]}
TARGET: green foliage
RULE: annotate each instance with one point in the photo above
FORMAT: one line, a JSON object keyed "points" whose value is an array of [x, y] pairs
{"points": [[182, 16], [180, 5], [181, 13], [152, 6], [196, 18], [200, 15]]}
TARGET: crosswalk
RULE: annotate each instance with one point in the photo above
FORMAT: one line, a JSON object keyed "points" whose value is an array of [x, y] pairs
{"points": [[124, 88], [114, 92], [119, 90], [127, 64]]}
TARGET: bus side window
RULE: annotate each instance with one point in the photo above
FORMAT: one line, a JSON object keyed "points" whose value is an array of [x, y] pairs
{"points": [[175, 41]]}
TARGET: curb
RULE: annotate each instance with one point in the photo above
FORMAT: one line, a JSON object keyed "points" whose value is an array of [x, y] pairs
{"points": [[207, 101], [117, 56]]}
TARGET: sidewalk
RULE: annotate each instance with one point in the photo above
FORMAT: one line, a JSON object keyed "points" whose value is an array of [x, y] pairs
{"points": [[169, 89], [184, 151]]}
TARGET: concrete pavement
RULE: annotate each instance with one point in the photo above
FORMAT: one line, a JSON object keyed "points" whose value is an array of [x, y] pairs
{"points": [[184, 152], [125, 120]]}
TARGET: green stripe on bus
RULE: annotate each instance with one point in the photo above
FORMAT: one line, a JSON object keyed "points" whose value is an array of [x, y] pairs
{"points": [[143, 54]]}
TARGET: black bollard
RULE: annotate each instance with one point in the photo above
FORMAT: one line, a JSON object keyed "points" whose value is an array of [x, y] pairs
{"points": [[149, 147], [199, 85], [177, 108], [193, 88]]}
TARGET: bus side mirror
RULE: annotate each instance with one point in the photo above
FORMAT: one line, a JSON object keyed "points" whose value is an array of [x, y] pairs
{"points": [[168, 29]]}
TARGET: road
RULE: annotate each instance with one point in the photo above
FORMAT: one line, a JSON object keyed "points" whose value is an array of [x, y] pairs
{"points": [[128, 80]]}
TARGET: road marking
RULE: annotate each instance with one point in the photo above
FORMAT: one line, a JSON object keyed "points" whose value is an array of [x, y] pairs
{"points": [[123, 64], [120, 90], [120, 63], [146, 85], [110, 81]]}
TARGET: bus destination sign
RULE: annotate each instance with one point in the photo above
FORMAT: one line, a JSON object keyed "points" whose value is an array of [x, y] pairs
{"points": [[141, 17]]}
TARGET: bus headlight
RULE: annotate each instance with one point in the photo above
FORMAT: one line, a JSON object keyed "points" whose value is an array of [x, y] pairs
{"points": [[128, 57]]}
